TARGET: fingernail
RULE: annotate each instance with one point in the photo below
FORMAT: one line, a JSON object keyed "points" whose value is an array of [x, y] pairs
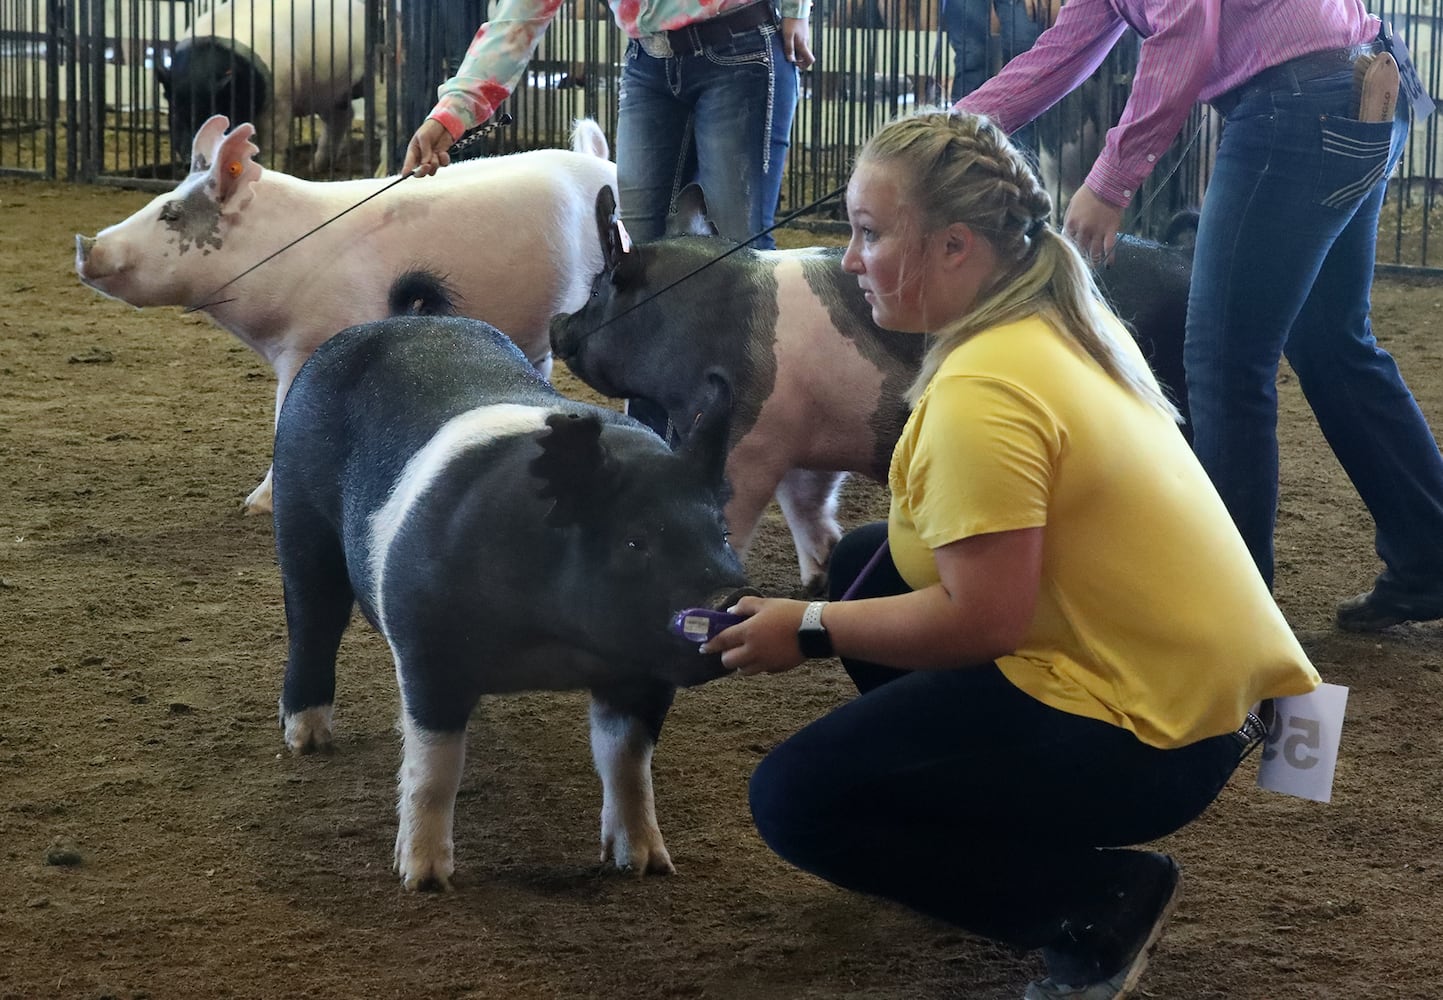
{"points": [[732, 610], [703, 649]]}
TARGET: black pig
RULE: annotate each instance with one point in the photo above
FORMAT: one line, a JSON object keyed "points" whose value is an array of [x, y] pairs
{"points": [[501, 538]]}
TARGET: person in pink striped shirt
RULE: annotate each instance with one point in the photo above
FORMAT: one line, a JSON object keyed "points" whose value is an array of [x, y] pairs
{"points": [[1285, 249]]}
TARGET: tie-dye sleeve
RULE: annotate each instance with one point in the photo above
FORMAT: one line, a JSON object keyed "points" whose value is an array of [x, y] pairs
{"points": [[494, 63]]}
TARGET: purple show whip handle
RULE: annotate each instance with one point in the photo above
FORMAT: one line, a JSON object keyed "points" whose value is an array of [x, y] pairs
{"points": [[701, 624]]}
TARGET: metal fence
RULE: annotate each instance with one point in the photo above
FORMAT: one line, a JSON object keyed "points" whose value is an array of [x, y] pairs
{"points": [[85, 93]]}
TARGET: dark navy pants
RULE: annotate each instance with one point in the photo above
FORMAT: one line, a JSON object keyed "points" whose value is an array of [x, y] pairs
{"points": [[957, 795]]}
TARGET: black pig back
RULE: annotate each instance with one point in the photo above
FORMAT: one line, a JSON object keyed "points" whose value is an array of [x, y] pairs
{"points": [[372, 396], [1147, 285]]}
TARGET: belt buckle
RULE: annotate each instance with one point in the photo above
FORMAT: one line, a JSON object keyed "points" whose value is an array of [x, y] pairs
{"points": [[1252, 730], [658, 46]]}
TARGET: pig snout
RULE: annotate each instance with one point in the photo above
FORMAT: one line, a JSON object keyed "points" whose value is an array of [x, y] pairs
{"points": [[702, 669], [91, 261], [725, 599], [83, 246], [592, 361], [565, 336]]}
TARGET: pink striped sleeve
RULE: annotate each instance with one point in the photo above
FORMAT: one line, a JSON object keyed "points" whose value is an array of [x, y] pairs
{"points": [[1173, 64], [1064, 55]]}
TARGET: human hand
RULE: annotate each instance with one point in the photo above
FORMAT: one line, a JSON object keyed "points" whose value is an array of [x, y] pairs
{"points": [[765, 641], [1092, 224], [427, 151], [796, 41]]}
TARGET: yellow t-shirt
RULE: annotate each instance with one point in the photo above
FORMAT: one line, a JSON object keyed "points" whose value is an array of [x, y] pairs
{"points": [[1151, 614]]}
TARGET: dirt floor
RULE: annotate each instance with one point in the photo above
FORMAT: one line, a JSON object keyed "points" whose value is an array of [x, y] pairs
{"points": [[155, 841]]}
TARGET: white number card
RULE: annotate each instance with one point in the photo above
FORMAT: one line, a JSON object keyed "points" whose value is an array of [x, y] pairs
{"points": [[1301, 750]]}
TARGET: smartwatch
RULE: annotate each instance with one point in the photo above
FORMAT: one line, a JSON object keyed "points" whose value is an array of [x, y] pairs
{"points": [[812, 635]]}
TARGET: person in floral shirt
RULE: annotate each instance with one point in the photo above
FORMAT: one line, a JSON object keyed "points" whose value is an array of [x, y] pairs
{"points": [[708, 93]]}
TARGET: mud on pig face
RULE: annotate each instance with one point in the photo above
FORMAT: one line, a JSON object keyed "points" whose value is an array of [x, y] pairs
{"points": [[168, 253]]}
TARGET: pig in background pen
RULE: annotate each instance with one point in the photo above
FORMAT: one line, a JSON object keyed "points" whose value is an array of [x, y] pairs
{"points": [[818, 387], [511, 234], [268, 63]]}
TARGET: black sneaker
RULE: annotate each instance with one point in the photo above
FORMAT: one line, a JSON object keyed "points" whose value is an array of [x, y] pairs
{"points": [[1147, 925], [1374, 611]]}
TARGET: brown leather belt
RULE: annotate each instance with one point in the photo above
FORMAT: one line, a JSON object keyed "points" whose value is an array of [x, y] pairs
{"points": [[1289, 74], [720, 29]]}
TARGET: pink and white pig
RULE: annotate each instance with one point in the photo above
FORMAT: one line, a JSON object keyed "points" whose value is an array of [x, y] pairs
{"points": [[513, 235], [818, 388]]}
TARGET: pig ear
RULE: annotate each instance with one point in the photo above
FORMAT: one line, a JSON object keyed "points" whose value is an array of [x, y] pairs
{"points": [[690, 219], [615, 243], [706, 440], [605, 225], [574, 469], [207, 137], [234, 169]]}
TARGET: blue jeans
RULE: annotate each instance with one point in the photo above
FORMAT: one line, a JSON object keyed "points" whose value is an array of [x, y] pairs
{"points": [[1283, 266], [956, 794], [969, 27], [720, 115]]}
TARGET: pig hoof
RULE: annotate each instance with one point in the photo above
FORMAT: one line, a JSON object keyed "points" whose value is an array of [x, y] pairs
{"points": [[431, 882], [815, 585], [643, 859], [420, 873], [259, 502], [308, 730]]}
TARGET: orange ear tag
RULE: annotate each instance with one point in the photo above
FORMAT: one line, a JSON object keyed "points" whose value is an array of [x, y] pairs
{"points": [[233, 168], [625, 237]]}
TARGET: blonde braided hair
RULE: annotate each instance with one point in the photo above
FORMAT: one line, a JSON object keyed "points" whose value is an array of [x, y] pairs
{"points": [[957, 167]]}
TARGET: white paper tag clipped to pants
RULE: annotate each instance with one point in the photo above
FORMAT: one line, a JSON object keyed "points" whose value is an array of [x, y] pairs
{"points": [[1301, 749]]}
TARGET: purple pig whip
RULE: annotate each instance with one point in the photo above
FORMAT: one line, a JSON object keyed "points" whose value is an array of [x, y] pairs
{"points": [[468, 138]]}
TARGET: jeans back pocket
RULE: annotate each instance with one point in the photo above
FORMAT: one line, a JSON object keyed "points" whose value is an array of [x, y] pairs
{"points": [[1355, 157]]}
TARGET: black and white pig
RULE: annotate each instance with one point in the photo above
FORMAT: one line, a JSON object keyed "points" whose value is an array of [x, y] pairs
{"points": [[818, 387], [513, 235], [267, 63], [501, 538]]}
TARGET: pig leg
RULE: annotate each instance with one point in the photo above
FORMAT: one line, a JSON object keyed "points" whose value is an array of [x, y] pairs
{"points": [[270, 137], [625, 725], [332, 137], [286, 365], [808, 499], [318, 599], [426, 803], [754, 481], [259, 500]]}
